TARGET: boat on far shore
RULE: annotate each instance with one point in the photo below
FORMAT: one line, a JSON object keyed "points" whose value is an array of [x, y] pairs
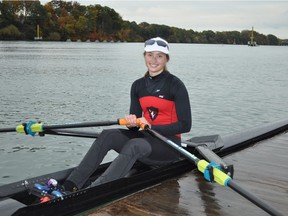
{"points": [[38, 37], [252, 42]]}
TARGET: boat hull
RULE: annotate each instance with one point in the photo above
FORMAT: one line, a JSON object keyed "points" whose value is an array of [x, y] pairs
{"points": [[16, 199], [100, 195]]}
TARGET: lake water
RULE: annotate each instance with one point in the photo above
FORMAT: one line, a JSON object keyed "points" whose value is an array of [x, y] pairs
{"points": [[231, 88]]}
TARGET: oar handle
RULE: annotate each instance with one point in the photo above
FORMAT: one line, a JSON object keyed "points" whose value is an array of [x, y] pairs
{"points": [[122, 121]]}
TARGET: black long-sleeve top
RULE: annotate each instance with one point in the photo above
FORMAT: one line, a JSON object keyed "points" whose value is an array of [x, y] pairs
{"points": [[163, 100]]}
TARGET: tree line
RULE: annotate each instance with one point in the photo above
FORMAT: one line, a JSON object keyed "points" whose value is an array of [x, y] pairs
{"points": [[66, 20]]}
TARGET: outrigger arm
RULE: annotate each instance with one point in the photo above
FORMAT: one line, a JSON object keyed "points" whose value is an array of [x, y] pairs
{"points": [[204, 145]]}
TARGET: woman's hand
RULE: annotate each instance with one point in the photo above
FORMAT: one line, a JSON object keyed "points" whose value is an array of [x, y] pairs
{"points": [[131, 119], [133, 122], [144, 122]]}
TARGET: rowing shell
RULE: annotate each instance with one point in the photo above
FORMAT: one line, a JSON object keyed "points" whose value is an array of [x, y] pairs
{"points": [[17, 198]]}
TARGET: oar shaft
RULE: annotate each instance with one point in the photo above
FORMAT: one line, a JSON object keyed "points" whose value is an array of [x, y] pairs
{"points": [[85, 124], [40, 127], [253, 199], [73, 133], [4, 130], [173, 145], [219, 176], [79, 125]]}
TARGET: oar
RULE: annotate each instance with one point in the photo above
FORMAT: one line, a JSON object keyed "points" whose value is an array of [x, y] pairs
{"points": [[33, 127], [217, 175], [72, 133]]}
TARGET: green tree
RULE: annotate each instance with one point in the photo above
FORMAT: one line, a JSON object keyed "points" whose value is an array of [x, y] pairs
{"points": [[81, 27], [245, 36], [54, 36], [108, 21], [9, 13], [10, 32], [35, 14], [70, 20], [67, 27], [272, 40], [210, 36]]}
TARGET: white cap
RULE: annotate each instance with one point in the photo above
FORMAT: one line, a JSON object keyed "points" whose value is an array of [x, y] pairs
{"points": [[156, 44]]}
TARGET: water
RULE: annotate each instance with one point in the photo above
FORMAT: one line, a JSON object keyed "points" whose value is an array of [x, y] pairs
{"points": [[231, 88]]}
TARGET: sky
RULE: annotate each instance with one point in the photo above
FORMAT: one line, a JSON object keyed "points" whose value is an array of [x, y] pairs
{"points": [[267, 17]]}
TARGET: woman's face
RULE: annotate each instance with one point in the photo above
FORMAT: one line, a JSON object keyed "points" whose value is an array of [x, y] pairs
{"points": [[155, 62]]}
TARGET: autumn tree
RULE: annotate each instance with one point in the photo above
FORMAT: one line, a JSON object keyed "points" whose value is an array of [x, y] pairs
{"points": [[62, 20]]}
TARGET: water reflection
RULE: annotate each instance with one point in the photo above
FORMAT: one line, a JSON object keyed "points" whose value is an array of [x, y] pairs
{"points": [[208, 196], [186, 195], [161, 200], [25, 148]]}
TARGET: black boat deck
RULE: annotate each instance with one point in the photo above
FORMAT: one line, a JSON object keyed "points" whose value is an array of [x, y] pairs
{"points": [[261, 169]]}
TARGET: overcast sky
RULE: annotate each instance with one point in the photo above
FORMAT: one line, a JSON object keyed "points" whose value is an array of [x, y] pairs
{"points": [[267, 17]]}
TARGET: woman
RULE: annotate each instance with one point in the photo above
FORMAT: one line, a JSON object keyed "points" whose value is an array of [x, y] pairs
{"points": [[160, 100]]}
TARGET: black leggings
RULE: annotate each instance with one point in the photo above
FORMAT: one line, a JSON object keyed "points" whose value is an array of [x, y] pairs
{"points": [[131, 146]]}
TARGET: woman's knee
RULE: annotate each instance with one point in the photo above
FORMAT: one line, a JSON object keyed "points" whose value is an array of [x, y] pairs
{"points": [[138, 147], [110, 132], [111, 139]]}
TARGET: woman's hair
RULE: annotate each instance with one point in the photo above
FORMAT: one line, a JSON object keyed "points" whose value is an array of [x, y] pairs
{"points": [[165, 67]]}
